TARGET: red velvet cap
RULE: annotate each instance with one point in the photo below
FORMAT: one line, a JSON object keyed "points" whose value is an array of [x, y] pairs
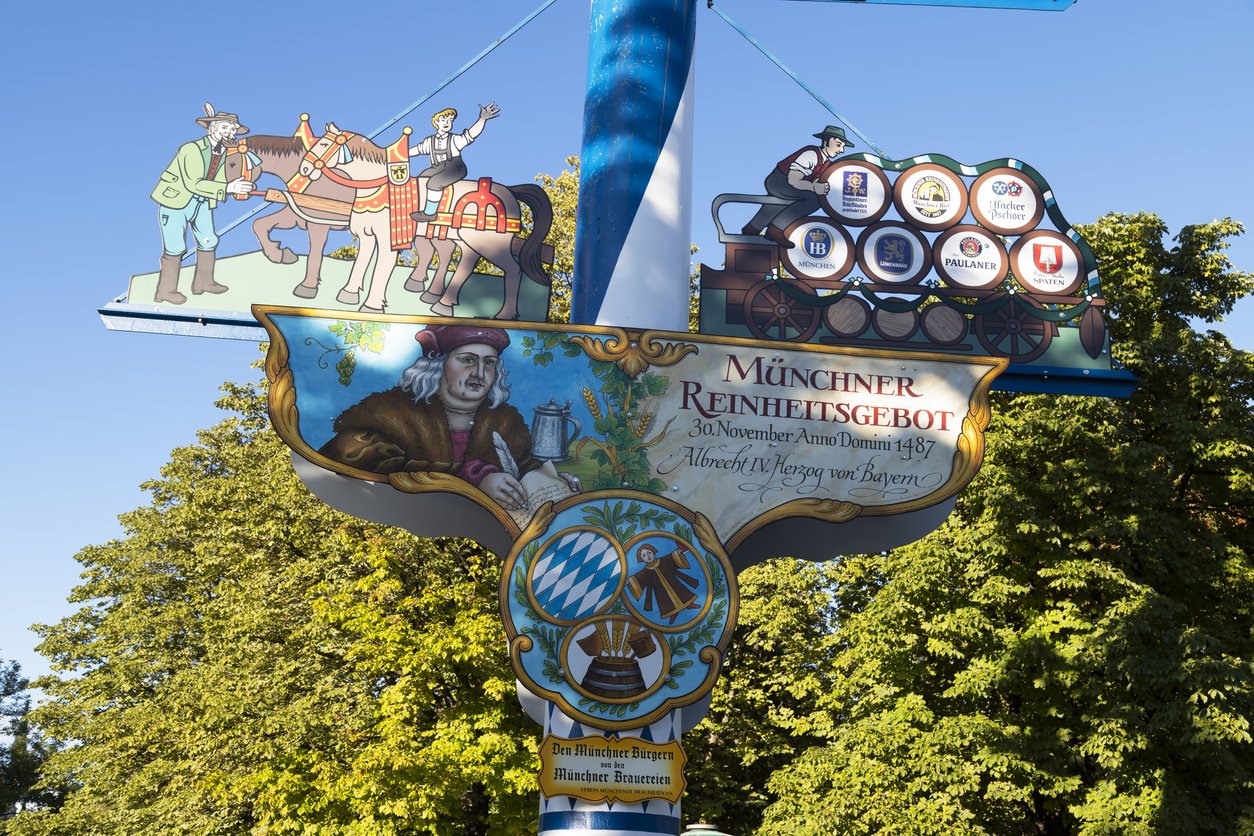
{"points": [[441, 339]]}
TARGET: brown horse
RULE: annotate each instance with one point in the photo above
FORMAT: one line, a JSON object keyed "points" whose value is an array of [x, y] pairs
{"points": [[373, 230], [281, 156]]}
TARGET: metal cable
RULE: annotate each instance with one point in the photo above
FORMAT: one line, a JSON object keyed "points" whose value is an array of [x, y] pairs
{"points": [[877, 149], [398, 117]]}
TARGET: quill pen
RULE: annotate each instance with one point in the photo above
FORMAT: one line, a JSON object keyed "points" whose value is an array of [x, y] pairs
{"points": [[507, 459]]}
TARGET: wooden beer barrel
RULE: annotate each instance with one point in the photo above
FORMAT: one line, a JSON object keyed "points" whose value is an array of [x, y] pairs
{"points": [[942, 324], [848, 318], [895, 325], [614, 678]]}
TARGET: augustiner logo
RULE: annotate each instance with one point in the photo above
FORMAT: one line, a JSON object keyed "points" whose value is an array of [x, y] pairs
{"points": [[854, 185]]}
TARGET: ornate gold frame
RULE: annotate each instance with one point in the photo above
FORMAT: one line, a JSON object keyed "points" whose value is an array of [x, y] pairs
{"points": [[711, 655], [634, 351]]}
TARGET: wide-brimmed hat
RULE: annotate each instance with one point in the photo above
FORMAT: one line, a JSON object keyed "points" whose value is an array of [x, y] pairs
{"points": [[212, 116], [833, 132], [441, 339]]}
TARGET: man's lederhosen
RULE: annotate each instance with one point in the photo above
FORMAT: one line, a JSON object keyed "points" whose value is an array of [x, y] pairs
{"points": [[446, 166], [803, 203]]}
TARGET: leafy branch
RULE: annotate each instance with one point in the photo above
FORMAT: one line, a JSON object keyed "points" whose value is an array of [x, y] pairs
{"points": [[624, 426], [364, 336], [622, 522], [540, 348], [602, 708], [549, 639]]}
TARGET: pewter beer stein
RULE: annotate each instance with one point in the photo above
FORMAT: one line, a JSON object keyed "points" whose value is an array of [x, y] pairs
{"points": [[549, 436]]}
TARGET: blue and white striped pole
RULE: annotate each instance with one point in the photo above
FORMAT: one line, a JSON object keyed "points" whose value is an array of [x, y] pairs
{"points": [[633, 230]]}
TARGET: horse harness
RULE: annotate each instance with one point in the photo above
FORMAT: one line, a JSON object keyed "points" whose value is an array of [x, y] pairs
{"points": [[479, 209]]}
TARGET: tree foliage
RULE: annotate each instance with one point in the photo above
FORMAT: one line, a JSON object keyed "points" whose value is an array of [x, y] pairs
{"points": [[248, 660], [22, 749], [1072, 651]]}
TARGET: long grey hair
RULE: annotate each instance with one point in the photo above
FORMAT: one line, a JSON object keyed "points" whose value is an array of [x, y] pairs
{"points": [[424, 376]]}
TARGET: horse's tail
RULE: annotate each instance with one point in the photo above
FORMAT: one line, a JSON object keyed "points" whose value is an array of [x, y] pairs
{"points": [[542, 215]]}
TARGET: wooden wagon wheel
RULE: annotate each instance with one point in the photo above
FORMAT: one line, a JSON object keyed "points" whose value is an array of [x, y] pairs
{"points": [[1013, 332], [768, 308]]}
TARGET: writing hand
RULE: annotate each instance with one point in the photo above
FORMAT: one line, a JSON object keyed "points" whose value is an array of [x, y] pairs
{"points": [[505, 490]]}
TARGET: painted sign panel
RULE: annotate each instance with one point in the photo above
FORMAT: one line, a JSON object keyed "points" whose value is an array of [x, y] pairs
{"points": [[427, 236], [608, 769], [949, 258], [741, 432]]}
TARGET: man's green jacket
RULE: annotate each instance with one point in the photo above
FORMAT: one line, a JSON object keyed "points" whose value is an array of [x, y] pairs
{"points": [[185, 177]]}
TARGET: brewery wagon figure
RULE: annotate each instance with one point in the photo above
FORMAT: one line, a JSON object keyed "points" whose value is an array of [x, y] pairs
{"points": [[958, 267]]}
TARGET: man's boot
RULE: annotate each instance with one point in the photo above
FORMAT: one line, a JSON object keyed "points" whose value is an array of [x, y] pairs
{"points": [[168, 281], [423, 215], [202, 278], [777, 235]]}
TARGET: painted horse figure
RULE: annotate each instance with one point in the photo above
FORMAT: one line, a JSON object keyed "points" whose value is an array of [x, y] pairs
{"points": [[324, 205], [482, 217]]}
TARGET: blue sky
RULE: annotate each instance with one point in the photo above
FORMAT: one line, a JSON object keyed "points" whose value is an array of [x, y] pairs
{"points": [[1123, 105]]}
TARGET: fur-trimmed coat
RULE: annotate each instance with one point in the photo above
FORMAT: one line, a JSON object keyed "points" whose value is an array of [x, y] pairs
{"points": [[388, 432]]}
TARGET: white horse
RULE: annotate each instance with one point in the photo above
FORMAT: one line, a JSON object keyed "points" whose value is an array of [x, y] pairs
{"points": [[485, 231]]}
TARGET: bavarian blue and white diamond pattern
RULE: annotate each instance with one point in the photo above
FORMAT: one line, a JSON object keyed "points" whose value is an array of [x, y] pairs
{"points": [[577, 575]]}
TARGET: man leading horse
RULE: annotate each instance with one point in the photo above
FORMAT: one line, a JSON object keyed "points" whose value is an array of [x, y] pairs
{"points": [[187, 192]]}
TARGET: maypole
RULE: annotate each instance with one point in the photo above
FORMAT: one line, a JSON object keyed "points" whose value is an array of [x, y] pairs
{"points": [[632, 232]]}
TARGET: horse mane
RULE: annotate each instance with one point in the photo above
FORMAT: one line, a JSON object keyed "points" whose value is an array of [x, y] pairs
{"points": [[280, 146], [364, 149]]}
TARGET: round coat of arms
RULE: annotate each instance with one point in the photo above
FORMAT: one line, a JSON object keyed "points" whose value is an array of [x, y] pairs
{"points": [[618, 608]]}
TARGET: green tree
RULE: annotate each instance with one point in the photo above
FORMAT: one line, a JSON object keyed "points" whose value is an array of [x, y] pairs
{"points": [[245, 660], [760, 710], [563, 192], [1071, 652], [23, 749]]}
